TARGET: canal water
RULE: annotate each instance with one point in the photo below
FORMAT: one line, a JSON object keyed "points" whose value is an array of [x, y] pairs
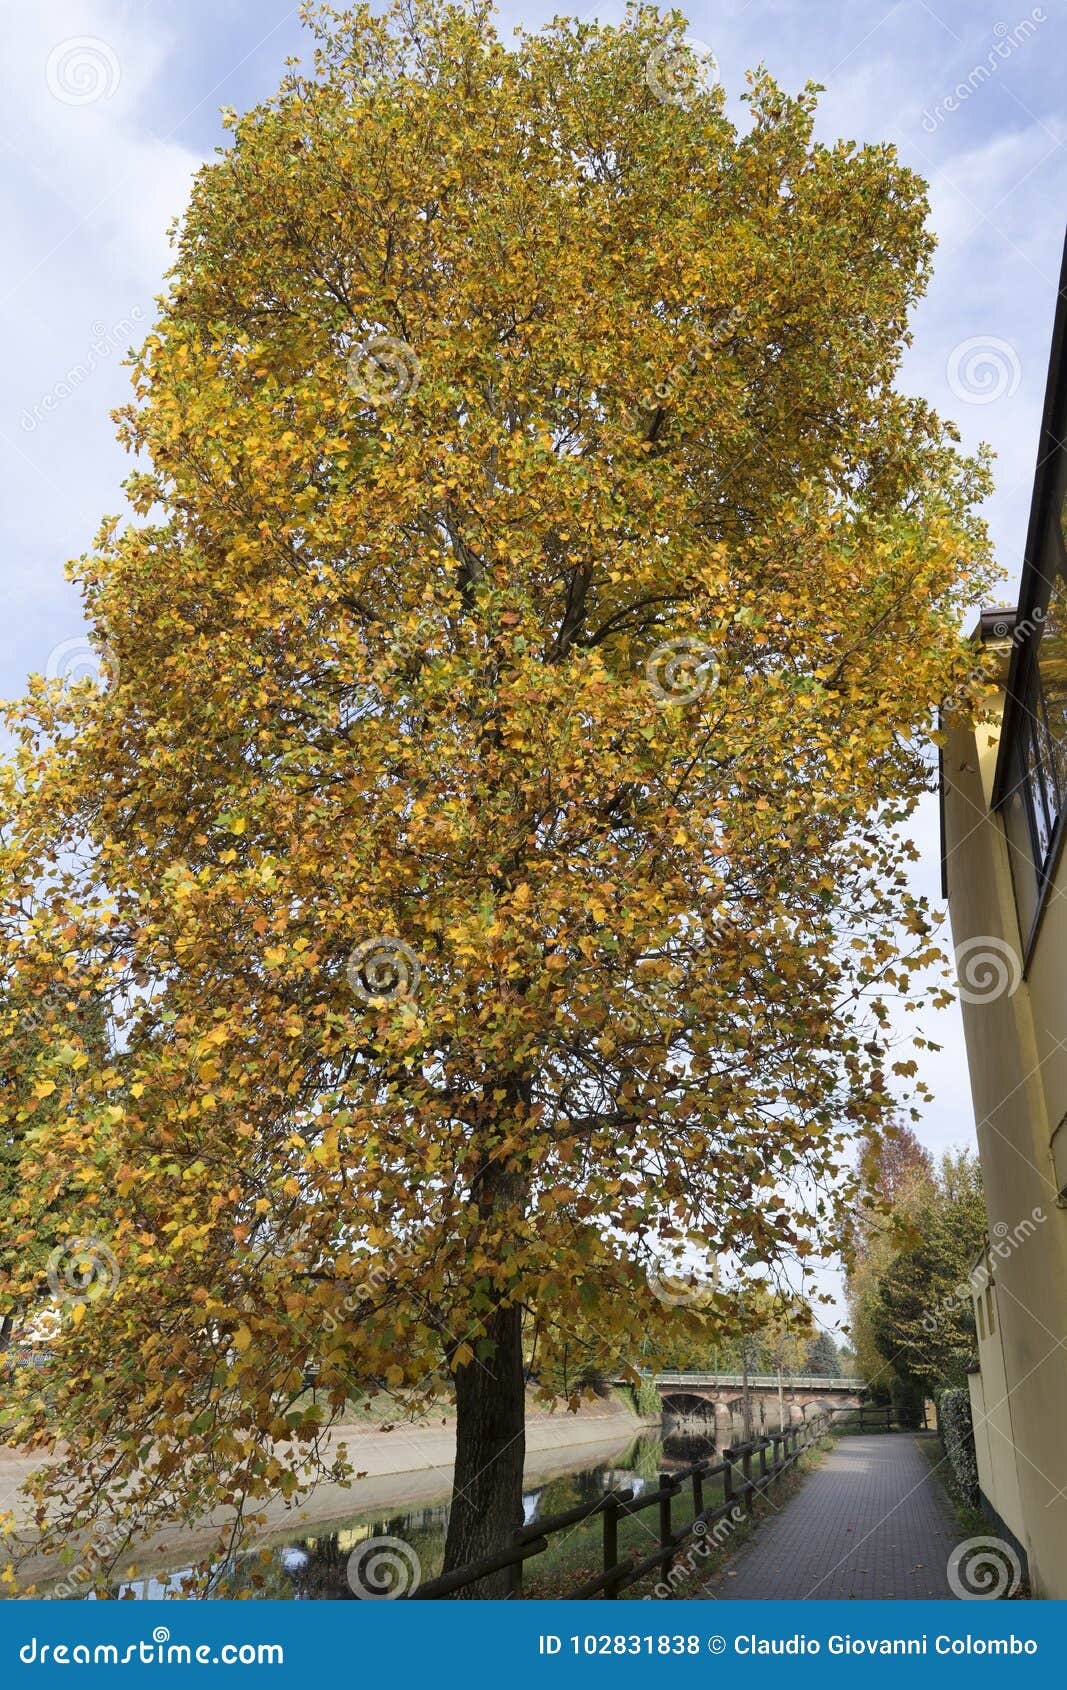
{"points": [[316, 1565]]}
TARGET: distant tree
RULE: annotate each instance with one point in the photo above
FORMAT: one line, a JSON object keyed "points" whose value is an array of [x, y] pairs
{"points": [[922, 1316], [822, 1357], [896, 1178]]}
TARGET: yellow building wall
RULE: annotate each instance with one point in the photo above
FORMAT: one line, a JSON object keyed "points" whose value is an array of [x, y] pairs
{"points": [[1017, 1055], [994, 1435]]}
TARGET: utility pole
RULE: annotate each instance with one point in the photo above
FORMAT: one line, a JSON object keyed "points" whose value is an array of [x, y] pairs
{"points": [[746, 1402]]}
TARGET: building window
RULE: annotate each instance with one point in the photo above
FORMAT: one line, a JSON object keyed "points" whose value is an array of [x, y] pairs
{"points": [[1035, 800]]}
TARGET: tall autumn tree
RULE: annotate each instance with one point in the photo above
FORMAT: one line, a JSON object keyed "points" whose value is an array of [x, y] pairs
{"points": [[488, 836], [896, 1184]]}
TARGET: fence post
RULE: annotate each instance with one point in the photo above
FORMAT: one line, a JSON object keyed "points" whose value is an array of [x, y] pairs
{"points": [[514, 1572], [746, 1468], [611, 1545], [762, 1462], [666, 1535], [698, 1494]]}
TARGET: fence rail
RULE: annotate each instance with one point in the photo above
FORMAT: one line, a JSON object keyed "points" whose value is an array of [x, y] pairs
{"points": [[867, 1415], [740, 1486]]}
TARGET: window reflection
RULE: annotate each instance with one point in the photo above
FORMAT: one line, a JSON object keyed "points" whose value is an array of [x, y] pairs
{"points": [[1035, 802], [1052, 663]]}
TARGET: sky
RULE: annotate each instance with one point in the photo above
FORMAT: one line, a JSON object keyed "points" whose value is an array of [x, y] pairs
{"points": [[107, 107]]}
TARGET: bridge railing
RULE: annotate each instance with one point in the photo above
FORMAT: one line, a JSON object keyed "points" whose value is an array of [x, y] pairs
{"points": [[759, 1381], [741, 1485]]}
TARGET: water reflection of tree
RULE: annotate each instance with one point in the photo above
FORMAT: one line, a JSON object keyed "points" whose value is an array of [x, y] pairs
{"points": [[314, 1567], [683, 1447]]}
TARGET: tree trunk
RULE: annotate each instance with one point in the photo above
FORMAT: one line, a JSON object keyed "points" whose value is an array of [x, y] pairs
{"points": [[490, 1406], [490, 1449]]}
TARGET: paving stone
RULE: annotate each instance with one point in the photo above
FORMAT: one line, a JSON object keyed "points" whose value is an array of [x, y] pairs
{"points": [[871, 1523]]}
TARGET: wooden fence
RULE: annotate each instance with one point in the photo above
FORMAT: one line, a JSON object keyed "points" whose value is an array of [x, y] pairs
{"points": [[740, 1485], [867, 1418]]}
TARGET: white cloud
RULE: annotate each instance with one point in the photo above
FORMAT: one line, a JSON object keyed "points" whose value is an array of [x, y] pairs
{"points": [[86, 196]]}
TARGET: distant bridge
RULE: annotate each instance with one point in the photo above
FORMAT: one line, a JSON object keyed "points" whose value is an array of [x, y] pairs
{"points": [[694, 1392]]}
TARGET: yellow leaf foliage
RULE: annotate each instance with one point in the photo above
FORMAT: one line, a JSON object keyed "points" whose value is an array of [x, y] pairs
{"points": [[535, 597]]}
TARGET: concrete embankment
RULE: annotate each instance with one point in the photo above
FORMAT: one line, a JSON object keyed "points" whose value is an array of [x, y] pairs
{"points": [[405, 1465]]}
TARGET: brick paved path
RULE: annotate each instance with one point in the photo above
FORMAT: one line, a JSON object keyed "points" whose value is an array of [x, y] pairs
{"points": [[872, 1523]]}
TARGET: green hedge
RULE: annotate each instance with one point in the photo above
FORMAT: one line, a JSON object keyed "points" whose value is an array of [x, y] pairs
{"points": [[649, 1401], [957, 1435]]}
